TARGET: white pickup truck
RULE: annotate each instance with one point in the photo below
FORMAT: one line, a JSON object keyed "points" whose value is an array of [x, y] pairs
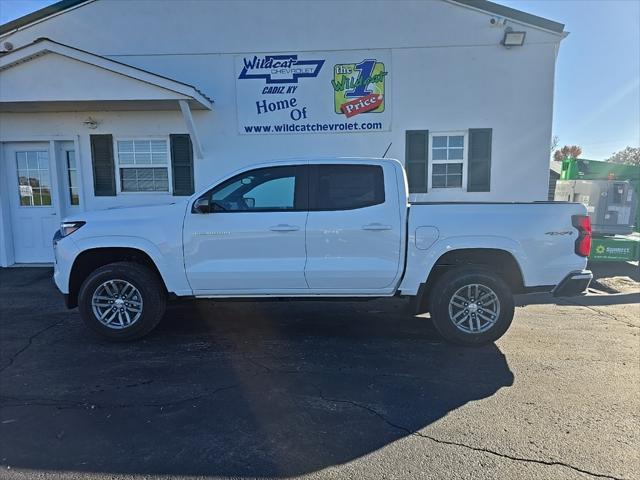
{"points": [[323, 228]]}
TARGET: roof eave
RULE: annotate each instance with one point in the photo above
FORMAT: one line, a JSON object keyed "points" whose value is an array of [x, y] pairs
{"points": [[515, 15], [45, 45], [483, 5], [38, 15]]}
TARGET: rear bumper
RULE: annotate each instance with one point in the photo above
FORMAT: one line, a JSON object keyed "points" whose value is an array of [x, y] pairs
{"points": [[573, 284]]}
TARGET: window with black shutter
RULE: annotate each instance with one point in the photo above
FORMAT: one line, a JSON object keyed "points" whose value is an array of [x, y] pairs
{"points": [[447, 159], [417, 159], [182, 164], [479, 160], [104, 181], [143, 164]]}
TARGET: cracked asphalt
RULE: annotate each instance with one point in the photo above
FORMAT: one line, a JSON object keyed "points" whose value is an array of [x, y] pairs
{"points": [[317, 390]]}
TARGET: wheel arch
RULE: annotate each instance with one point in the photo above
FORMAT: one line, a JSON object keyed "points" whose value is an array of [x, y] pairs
{"points": [[499, 261], [91, 259]]}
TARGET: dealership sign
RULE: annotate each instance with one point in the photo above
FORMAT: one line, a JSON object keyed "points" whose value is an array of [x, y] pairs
{"points": [[330, 92]]}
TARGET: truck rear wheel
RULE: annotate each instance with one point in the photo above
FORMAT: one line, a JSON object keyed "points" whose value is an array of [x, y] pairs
{"points": [[122, 301], [471, 306]]}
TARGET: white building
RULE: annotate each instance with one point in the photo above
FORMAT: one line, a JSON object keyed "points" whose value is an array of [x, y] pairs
{"points": [[107, 103]]}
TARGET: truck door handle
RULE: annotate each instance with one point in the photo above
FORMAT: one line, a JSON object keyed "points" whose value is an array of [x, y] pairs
{"points": [[376, 226], [283, 227]]}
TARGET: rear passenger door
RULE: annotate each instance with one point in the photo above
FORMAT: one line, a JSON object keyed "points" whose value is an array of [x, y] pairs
{"points": [[353, 228]]}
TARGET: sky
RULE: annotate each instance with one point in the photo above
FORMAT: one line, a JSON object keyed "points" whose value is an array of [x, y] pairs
{"points": [[597, 87]]}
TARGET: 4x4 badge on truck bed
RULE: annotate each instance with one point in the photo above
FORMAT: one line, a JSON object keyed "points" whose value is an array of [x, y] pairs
{"points": [[566, 232]]}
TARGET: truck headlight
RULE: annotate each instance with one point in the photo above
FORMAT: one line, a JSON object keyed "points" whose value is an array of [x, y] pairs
{"points": [[67, 228]]}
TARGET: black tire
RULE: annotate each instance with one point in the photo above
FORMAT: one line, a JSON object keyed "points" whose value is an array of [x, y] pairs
{"points": [[449, 284], [147, 283]]}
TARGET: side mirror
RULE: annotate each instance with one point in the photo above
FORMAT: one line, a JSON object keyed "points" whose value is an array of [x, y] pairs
{"points": [[249, 202], [201, 205], [216, 207]]}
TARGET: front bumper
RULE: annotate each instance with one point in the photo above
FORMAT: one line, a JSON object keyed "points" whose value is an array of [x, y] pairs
{"points": [[67, 301], [65, 252], [573, 284]]}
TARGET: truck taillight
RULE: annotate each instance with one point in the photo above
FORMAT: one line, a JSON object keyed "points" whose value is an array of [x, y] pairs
{"points": [[583, 242]]}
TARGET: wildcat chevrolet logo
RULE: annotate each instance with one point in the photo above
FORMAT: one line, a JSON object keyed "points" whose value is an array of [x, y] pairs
{"points": [[279, 68]]}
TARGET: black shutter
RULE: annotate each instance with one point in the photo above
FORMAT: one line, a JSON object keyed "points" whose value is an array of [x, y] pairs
{"points": [[417, 159], [479, 175], [182, 164], [104, 180]]}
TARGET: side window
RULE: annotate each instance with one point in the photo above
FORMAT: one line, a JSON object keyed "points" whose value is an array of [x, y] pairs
{"points": [[346, 187], [276, 193], [264, 189]]}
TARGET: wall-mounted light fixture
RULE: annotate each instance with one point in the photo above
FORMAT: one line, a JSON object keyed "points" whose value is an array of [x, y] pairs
{"points": [[91, 123], [513, 39]]}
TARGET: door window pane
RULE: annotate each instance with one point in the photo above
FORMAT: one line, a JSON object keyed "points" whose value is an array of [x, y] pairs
{"points": [[21, 160], [34, 182], [345, 187], [265, 189], [32, 160], [72, 177]]}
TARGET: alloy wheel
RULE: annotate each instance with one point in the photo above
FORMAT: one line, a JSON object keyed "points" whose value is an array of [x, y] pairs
{"points": [[474, 308], [117, 304]]}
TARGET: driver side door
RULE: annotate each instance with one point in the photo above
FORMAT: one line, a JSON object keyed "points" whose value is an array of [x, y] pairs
{"points": [[248, 235]]}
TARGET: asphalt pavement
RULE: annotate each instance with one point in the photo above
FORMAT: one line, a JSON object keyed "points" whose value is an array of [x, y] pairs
{"points": [[317, 390]]}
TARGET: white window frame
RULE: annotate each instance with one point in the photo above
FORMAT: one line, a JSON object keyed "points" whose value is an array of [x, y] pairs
{"points": [[465, 154], [67, 184], [118, 166], [50, 170]]}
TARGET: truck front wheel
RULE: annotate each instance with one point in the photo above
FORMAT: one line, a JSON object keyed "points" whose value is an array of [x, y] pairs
{"points": [[471, 306], [122, 301]]}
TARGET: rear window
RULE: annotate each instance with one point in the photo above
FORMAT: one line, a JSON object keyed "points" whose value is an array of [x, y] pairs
{"points": [[346, 187]]}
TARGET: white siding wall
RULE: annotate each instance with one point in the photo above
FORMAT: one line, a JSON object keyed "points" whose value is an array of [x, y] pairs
{"points": [[63, 126], [448, 73]]}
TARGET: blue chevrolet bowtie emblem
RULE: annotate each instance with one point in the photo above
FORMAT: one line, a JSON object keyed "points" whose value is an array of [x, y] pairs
{"points": [[280, 68]]}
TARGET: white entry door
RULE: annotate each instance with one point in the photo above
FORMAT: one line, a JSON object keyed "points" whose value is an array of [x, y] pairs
{"points": [[35, 209]]}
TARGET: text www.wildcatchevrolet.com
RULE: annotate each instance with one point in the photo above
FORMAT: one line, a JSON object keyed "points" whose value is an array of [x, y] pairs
{"points": [[313, 127]]}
